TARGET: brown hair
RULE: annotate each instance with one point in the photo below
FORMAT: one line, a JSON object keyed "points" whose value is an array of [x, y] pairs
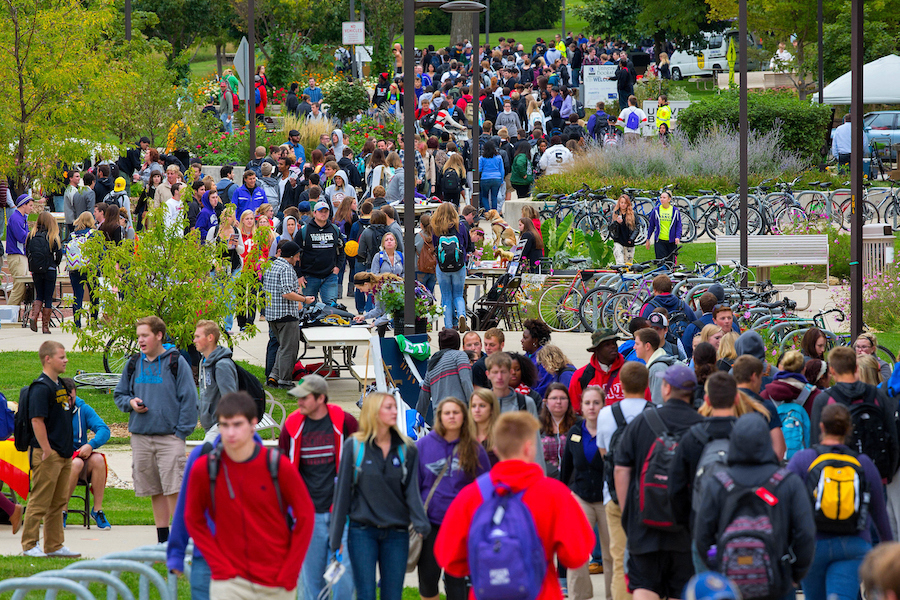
{"points": [[662, 284], [634, 376], [808, 343], [155, 324], [468, 446], [48, 349], [721, 389], [842, 361], [512, 431], [708, 302], [528, 226], [648, 335], [568, 420], [489, 398], [745, 367], [498, 359], [237, 404], [835, 420], [210, 328]]}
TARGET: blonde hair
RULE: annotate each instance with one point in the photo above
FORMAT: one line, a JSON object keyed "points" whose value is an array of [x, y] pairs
{"points": [[868, 368], [84, 221], [384, 237], [708, 331], [726, 346], [445, 219], [240, 222], [512, 431], [209, 328], [47, 222], [456, 163], [489, 398], [369, 420], [263, 208], [393, 160], [629, 210], [744, 405], [552, 358], [791, 361]]}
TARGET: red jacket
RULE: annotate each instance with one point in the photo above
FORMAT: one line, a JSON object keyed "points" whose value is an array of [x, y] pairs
{"points": [[251, 538], [601, 378], [261, 107], [289, 440], [559, 520]]}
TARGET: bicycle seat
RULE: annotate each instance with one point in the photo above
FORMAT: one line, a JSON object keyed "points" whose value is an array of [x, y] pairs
{"points": [[558, 196], [542, 196], [705, 192], [579, 260], [825, 184], [772, 305], [638, 268], [691, 197]]}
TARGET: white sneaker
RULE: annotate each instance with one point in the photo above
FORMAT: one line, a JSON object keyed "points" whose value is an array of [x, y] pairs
{"points": [[35, 552], [64, 553]]}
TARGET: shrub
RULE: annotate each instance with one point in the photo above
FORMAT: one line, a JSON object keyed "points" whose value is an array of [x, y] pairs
{"points": [[346, 99], [310, 131], [651, 88], [370, 128], [803, 124], [881, 299]]}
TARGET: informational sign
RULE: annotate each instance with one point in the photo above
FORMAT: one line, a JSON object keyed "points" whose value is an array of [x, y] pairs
{"points": [[650, 106], [241, 64], [353, 33], [597, 85], [364, 54]]}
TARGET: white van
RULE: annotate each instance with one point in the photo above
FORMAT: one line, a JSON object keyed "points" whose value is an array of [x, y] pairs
{"points": [[708, 56]]}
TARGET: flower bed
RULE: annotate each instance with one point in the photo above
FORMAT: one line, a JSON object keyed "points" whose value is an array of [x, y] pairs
{"points": [[369, 128], [213, 147]]}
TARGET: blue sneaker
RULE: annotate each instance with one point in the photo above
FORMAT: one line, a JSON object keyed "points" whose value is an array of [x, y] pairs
{"points": [[65, 518], [100, 519]]}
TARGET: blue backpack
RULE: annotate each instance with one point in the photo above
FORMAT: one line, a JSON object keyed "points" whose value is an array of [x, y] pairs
{"points": [[795, 422], [633, 121], [506, 556]]}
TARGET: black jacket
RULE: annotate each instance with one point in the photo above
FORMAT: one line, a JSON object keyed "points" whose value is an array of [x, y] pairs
{"points": [[131, 162], [751, 463], [621, 233], [291, 103], [584, 478], [321, 249]]}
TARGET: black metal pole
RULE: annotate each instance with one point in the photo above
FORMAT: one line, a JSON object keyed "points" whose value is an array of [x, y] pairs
{"points": [[821, 17], [563, 37], [409, 163], [476, 106], [250, 84], [128, 20], [487, 23], [744, 135], [353, 68], [856, 166]]}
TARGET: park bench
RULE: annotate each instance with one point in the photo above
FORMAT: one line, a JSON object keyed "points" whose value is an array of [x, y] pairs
{"points": [[766, 252]]}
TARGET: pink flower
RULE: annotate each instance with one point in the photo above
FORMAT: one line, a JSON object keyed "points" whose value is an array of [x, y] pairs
{"points": [[215, 151]]}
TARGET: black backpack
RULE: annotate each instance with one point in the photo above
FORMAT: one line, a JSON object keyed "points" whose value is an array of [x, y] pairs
{"points": [[429, 120], [22, 431], [678, 320], [609, 461], [133, 360], [450, 182], [655, 509], [870, 435], [40, 257], [247, 382]]}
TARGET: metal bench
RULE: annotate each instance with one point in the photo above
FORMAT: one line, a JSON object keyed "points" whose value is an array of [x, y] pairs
{"points": [[766, 252]]}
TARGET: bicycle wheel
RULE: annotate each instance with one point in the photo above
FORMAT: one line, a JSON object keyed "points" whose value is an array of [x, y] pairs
{"points": [[688, 229], [558, 307], [870, 213], [789, 218], [755, 222], [590, 222], [643, 225], [117, 353], [589, 310], [720, 221], [892, 215], [818, 209], [619, 311]]}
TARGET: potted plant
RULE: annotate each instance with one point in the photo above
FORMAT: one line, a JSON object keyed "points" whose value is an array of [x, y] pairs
{"points": [[392, 296], [564, 242]]}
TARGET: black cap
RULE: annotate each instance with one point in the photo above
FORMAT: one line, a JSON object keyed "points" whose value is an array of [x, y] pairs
{"points": [[290, 249]]}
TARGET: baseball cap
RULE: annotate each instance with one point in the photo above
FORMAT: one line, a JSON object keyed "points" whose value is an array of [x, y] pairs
{"points": [[322, 205], [303, 206], [600, 336], [119, 184], [257, 78], [293, 132], [658, 320], [681, 377], [290, 249], [310, 384]]}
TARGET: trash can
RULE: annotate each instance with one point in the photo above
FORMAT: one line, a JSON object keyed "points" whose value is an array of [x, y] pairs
{"points": [[878, 248]]}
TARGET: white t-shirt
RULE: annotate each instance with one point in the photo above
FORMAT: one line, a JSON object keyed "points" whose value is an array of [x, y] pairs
{"points": [[623, 119], [555, 159], [606, 426], [173, 212]]}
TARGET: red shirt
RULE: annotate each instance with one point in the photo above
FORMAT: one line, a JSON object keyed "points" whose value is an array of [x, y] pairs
{"points": [[251, 538], [559, 520], [600, 378]]}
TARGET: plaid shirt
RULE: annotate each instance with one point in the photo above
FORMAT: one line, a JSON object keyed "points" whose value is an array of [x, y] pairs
{"points": [[280, 279], [420, 165]]}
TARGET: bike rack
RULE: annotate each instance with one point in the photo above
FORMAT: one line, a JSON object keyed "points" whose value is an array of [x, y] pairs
{"points": [[147, 574], [50, 584], [115, 587]]}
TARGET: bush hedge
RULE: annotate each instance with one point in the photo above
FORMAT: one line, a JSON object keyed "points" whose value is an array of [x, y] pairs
{"points": [[803, 124]]}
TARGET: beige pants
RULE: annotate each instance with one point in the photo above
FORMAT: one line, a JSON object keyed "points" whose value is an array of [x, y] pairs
{"points": [[17, 265], [623, 255], [579, 580], [241, 589], [48, 499], [617, 541]]}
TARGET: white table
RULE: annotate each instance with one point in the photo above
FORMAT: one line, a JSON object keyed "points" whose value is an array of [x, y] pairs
{"points": [[420, 209], [346, 339]]}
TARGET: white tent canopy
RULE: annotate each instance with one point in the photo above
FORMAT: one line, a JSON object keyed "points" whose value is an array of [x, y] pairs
{"points": [[881, 83]]}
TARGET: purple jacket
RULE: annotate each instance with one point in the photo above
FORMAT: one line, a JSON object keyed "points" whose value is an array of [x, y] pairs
{"points": [[16, 233], [434, 451], [800, 463], [674, 232]]}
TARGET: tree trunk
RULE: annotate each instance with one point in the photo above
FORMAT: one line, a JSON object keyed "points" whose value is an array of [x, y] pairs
{"points": [[219, 59], [460, 28]]}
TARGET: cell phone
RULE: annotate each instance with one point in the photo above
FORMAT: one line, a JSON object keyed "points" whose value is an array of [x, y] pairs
{"points": [[140, 403]]}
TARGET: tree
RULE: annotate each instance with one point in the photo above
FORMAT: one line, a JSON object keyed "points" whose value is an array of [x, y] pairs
{"points": [[384, 20], [880, 37], [614, 18], [52, 53]]}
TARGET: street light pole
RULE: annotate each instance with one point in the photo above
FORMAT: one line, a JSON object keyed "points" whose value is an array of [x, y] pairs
{"points": [[744, 136], [250, 84], [476, 105], [857, 17], [409, 164]]}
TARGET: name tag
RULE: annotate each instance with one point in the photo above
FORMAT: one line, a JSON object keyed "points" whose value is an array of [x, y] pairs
{"points": [[575, 437]]}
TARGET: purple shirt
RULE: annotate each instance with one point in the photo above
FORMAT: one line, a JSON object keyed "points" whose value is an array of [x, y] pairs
{"points": [[800, 463], [16, 233], [434, 452]]}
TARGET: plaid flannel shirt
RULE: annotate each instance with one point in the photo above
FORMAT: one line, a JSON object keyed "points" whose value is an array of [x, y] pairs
{"points": [[280, 279], [420, 165]]}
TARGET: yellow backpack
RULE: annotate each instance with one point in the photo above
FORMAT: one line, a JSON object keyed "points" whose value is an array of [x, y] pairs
{"points": [[840, 492]]}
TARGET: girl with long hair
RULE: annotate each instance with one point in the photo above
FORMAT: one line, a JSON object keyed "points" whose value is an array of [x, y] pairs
{"points": [[43, 247], [111, 228], [317, 159], [389, 259], [556, 363], [445, 223], [83, 229], [835, 567], [247, 230], [704, 365], [484, 407], [450, 458], [492, 175], [449, 193], [523, 375], [623, 230], [378, 490], [712, 334], [557, 418], [533, 251], [726, 353], [813, 344], [423, 244]]}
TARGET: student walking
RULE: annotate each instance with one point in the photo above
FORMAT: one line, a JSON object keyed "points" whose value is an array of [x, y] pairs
{"points": [[665, 229]]}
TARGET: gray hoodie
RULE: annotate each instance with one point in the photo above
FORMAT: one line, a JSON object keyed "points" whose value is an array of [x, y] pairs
{"points": [[449, 374], [657, 365], [172, 404], [346, 189], [752, 343], [394, 190], [339, 146], [218, 376]]}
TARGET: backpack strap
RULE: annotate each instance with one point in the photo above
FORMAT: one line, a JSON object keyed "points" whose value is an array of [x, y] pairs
{"points": [[401, 452], [656, 423], [618, 415], [609, 382], [358, 454], [520, 399], [701, 432], [273, 459], [485, 485], [586, 376], [805, 393], [725, 479]]}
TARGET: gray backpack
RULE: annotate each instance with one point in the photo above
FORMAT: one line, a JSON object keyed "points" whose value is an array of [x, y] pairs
{"points": [[713, 459]]}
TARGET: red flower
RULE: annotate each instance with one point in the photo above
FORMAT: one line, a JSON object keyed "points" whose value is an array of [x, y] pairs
{"points": [[381, 127]]}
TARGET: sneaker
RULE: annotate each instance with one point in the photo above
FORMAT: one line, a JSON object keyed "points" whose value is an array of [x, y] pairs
{"points": [[595, 568], [65, 518], [101, 520], [34, 552], [64, 553], [272, 382]]}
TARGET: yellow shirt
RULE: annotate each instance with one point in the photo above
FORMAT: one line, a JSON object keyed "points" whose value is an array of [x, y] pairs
{"points": [[664, 115], [665, 222]]}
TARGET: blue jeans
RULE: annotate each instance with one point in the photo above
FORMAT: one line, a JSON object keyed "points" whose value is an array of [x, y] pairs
{"points": [[429, 280], [79, 284], [227, 123], [387, 548], [835, 569], [318, 556], [200, 576], [488, 190], [229, 320], [326, 288], [453, 299]]}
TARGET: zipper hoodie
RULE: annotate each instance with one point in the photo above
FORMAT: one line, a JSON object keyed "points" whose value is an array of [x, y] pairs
{"points": [[434, 452], [659, 361], [207, 218], [172, 404], [215, 382], [321, 249], [84, 419]]}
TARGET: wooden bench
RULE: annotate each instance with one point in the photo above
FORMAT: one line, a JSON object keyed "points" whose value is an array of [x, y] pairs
{"points": [[767, 251]]}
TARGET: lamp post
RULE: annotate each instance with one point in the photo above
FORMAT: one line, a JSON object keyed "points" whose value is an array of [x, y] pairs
{"points": [[469, 6], [744, 137], [857, 19]]}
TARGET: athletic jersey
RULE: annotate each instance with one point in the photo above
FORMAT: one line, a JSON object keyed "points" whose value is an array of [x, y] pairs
{"points": [[666, 215]]}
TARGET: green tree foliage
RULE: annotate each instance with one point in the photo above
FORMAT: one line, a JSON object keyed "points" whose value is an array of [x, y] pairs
{"points": [[506, 15], [803, 125], [164, 274], [881, 36], [346, 100], [51, 53], [384, 20], [615, 18]]}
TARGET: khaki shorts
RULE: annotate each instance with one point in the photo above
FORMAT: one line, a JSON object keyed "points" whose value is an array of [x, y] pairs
{"points": [[157, 464]]}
